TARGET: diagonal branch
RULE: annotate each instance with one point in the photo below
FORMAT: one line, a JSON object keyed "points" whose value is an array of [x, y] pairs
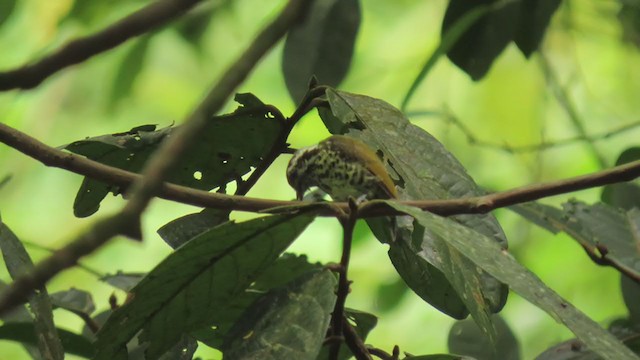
{"points": [[145, 187], [156, 14]]}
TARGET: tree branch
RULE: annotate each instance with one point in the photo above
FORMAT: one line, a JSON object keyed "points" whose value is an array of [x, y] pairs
{"points": [[145, 187], [81, 49]]}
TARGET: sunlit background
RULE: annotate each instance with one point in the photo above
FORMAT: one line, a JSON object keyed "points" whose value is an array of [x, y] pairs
{"points": [[515, 106]]}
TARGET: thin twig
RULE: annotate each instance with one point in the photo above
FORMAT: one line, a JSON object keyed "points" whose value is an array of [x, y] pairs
{"points": [[337, 318], [147, 186], [569, 107], [449, 116], [142, 21]]}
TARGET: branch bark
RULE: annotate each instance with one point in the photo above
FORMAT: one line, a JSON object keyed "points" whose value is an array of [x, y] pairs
{"points": [[154, 15]]}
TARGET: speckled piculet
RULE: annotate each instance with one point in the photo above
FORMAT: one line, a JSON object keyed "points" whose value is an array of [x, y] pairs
{"points": [[342, 167]]}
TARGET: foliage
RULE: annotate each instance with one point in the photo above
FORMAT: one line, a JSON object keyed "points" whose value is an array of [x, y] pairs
{"points": [[235, 286]]}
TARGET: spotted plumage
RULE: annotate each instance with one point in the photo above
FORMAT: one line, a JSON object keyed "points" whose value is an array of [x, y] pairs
{"points": [[342, 167]]}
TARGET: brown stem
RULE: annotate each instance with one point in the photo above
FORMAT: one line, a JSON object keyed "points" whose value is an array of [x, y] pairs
{"points": [[155, 14], [337, 318], [354, 342]]}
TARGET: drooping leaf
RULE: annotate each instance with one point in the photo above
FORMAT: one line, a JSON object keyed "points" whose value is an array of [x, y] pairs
{"points": [[362, 323], [285, 323], [25, 333], [180, 230], [437, 176], [123, 281], [130, 67], [479, 46], [604, 231], [19, 263], [465, 338], [389, 295], [74, 300], [321, 46], [227, 149], [198, 284], [535, 16], [489, 256]]}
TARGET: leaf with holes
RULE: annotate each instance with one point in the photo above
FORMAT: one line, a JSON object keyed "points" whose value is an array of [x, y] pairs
{"points": [[226, 149], [199, 284]]}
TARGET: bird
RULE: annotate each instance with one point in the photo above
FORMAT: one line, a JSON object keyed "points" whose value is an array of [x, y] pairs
{"points": [[342, 167]]}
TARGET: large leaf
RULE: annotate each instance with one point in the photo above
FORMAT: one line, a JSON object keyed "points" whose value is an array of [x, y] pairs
{"points": [[489, 256], [606, 233], [481, 43], [227, 149], [321, 46], [465, 338], [198, 284], [19, 263], [534, 19], [180, 230], [286, 323], [425, 170]]}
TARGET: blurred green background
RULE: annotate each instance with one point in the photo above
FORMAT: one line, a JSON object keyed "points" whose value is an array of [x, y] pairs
{"points": [[585, 56]]}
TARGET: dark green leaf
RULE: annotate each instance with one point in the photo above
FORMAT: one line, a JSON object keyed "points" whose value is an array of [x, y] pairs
{"points": [[180, 230], [24, 333], [602, 230], [284, 270], [194, 24], [629, 17], [631, 295], [362, 323], [6, 8], [481, 44], [131, 65], [227, 149], [198, 284], [389, 295], [489, 256], [123, 281], [321, 46], [437, 176], [535, 16], [19, 263], [22, 315], [286, 323], [623, 195], [465, 338]]}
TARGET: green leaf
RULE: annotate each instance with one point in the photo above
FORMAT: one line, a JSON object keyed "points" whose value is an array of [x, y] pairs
{"points": [[476, 50], [535, 16], [623, 195], [131, 65], [286, 323], [602, 230], [437, 176], [389, 295], [362, 323], [321, 46], [25, 333], [74, 300], [227, 149], [22, 315], [6, 8], [631, 294], [198, 284], [19, 263], [465, 338], [180, 230], [123, 281], [495, 260], [284, 270]]}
